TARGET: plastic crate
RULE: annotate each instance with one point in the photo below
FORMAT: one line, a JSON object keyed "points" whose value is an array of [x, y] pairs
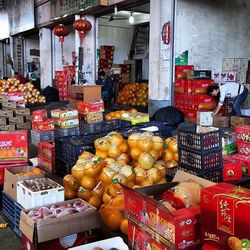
{"points": [[41, 136], [69, 148], [200, 162], [214, 175], [18, 209], [61, 132], [199, 142], [104, 126], [29, 199], [8, 208], [63, 167]]}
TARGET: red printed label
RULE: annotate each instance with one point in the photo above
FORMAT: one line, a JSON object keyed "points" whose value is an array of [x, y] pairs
{"points": [[225, 214]]}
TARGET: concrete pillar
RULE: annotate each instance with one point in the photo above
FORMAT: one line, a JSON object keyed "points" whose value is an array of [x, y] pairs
{"points": [[2, 61], [89, 51], [160, 55], [45, 39]]}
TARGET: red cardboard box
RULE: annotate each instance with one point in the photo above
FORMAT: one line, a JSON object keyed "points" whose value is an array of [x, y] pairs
{"points": [[72, 123], [90, 107], [92, 118], [13, 146], [191, 115], [43, 126], [243, 147], [205, 103], [224, 213], [174, 229], [232, 171], [46, 163], [181, 71], [47, 149], [200, 86], [243, 132], [40, 115]]}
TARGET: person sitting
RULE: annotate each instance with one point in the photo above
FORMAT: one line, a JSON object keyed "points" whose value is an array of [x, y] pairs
{"points": [[107, 86], [229, 89]]}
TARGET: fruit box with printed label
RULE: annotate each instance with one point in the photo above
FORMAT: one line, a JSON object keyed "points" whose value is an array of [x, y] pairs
{"points": [[43, 126], [72, 123], [47, 149], [172, 228], [225, 213], [13, 146], [64, 114], [92, 118], [40, 115], [90, 107], [46, 164]]}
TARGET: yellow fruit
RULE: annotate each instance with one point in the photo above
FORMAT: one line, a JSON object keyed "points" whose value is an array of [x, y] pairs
{"points": [[124, 226], [85, 155], [77, 172], [95, 201], [146, 160], [115, 138], [155, 154], [101, 154], [153, 175], [135, 153], [157, 143], [113, 152], [102, 144], [84, 193], [87, 182], [145, 144], [133, 140], [124, 147]]}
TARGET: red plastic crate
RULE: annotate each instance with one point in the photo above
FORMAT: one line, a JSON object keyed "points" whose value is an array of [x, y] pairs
{"points": [[200, 86]]}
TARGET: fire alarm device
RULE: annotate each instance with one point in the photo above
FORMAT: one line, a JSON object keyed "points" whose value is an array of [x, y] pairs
{"points": [[166, 33]]}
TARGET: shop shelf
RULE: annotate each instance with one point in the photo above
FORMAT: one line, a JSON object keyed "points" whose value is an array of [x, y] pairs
{"points": [[200, 162], [189, 139]]}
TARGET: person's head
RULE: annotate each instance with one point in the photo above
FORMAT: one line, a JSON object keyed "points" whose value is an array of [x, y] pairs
{"points": [[102, 75], [16, 74], [213, 90]]}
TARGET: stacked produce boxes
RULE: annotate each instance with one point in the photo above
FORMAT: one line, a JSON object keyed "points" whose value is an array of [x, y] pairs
{"points": [[200, 152], [46, 156], [106, 57]]}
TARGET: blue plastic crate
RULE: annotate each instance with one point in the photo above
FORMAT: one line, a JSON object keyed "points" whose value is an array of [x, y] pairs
{"points": [[62, 132], [18, 209], [41, 136], [63, 167], [189, 139], [8, 208]]}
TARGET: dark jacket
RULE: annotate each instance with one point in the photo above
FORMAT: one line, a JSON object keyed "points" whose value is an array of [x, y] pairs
{"points": [[107, 84]]}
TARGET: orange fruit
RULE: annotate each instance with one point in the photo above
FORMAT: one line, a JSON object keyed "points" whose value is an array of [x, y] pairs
{"points": [[146, 160], [133, 140], [114, 152], [145, 144], [69, 194], [37, 171], [101, 154], [124, 147], [124, 226], [155, 154], [84, 193], [95, 201], [135, 153], [157, 143], [87, 182], [167, 155]]}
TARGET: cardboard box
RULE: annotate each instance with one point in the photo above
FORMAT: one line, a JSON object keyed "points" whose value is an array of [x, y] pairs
{"points": [[24, 126], [13, 146], [6, 113], [40, 115], [9, 105], [43, 126], [136, 117], [47, 149], [204, 118], [92, 118], [181, 71], [72, 123], [64, 114], [53, 228], [46, 164], [169, 227], [239, 120], [11, 127], [226, 208], [221, 121], [90, 107], [10, 179], [73, 102], [3, 98], [232, 172], [22, 112], [16, 120], [3, 121], [85, 93]]}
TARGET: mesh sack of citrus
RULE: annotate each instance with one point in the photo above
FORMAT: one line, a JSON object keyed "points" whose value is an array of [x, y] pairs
{"points": [[170, 152]]}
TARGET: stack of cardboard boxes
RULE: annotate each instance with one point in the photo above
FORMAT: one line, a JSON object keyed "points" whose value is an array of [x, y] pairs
{"points": [[42, 127], [46, 156], [106, 57], [13, 115], [64, 78]]}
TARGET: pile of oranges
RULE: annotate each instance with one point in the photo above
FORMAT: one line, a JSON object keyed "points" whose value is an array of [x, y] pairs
{"points": [[35, 171], [118, 114]]}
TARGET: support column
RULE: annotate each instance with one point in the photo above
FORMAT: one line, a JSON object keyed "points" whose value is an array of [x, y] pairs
{"points": [[160, 55], [89, 51], [2, 61], [45, 39]]}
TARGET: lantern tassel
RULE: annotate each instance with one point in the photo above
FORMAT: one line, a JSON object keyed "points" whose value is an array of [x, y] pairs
{"points": [[82, 36]]}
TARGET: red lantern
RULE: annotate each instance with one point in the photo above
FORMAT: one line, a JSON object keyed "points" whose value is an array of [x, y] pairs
{"points": [[82, 26], [61, 31]]}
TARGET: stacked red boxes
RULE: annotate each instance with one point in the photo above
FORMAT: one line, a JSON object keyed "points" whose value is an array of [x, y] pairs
{"points": [[40, 121], [125, 73], [106, 57], [190, 94], [46, 156], [63, 80], [243, 139]]}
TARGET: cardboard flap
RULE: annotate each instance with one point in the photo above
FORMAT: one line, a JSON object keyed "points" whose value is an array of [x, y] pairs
{"points": [[27, 226]]}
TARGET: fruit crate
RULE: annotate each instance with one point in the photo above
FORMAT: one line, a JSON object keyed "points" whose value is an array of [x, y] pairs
{"points": [[214, 175], [104, 126], [200, 162], [18, 209], [29, 198], [62, 132], [8, 208], [69, 148], [189, 139], [63, 167], [41, 136]]}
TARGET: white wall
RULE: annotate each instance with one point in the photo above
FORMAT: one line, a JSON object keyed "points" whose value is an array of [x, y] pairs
{"points": [[118, 35], [68, 47], [30, 43], [212, 30]]}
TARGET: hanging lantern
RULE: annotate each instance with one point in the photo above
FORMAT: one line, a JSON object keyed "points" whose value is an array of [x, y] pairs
{"points": [[61, 31], [82, 26]]}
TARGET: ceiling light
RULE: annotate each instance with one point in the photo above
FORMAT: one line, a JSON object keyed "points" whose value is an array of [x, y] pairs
{"points": [[115, 10], [131, 18]]}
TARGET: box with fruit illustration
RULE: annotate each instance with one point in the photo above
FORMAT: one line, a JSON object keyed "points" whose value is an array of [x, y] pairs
{"points": [[64, 114], [173, 214], [43, 126], [225, 218], [40, 115], [58, 219], [13, 146], [13, 175], [90, 107], [38, 192], [72, 123], [47, 164]]}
